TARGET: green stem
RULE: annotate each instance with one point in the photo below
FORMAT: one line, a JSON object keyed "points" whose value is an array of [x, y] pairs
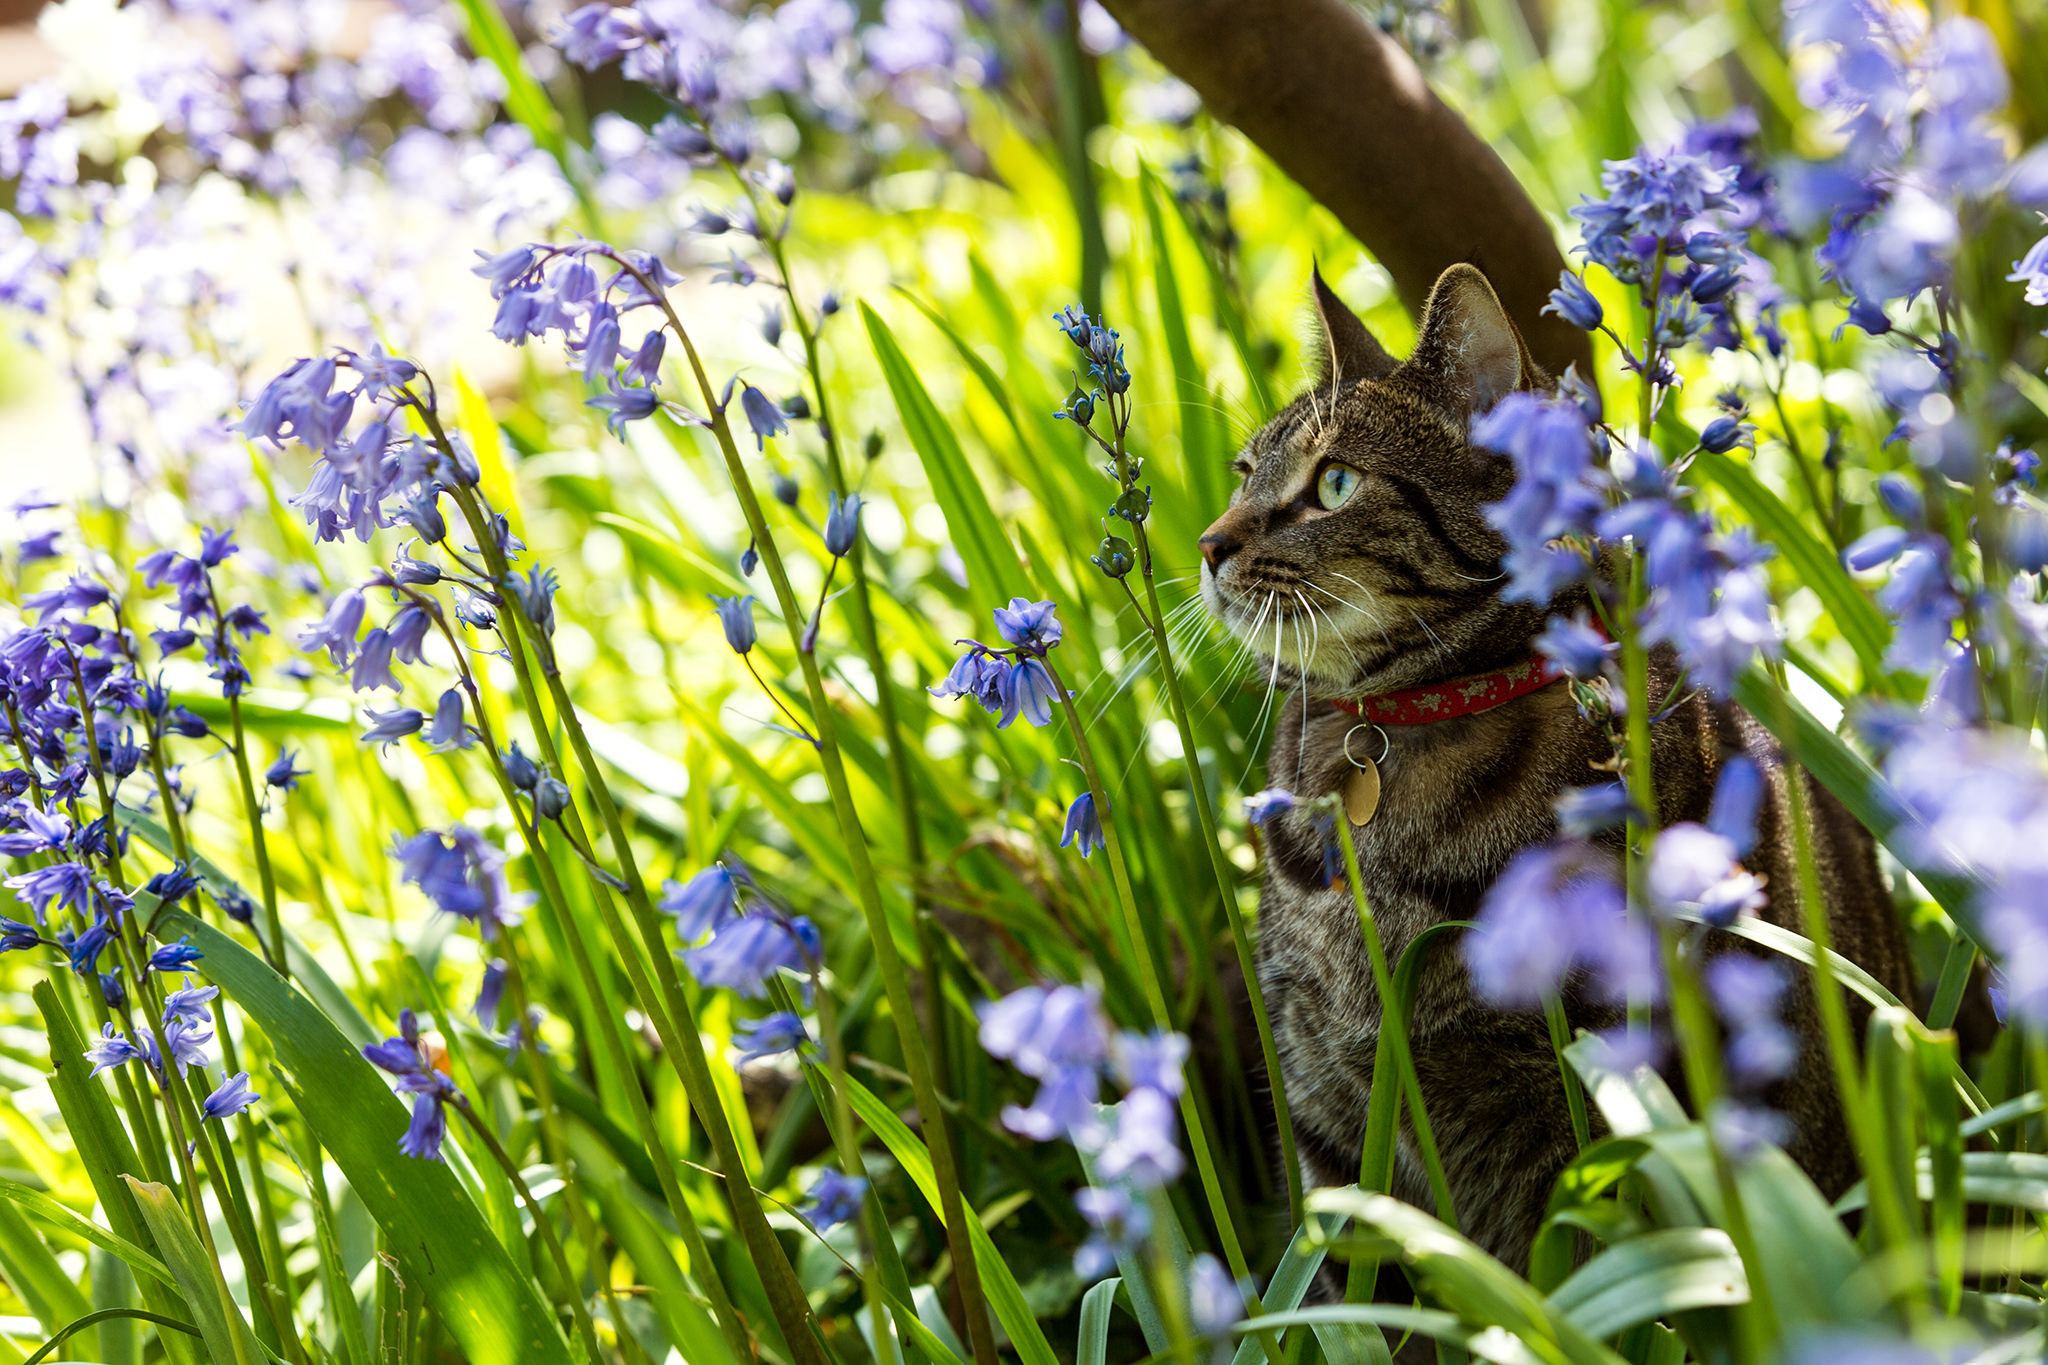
{"points": [[275, 948], [1155, 991], [1574, 1093], [888, 958]]}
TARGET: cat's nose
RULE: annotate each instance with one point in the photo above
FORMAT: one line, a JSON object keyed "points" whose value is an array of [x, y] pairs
{"points": [[1218, 544]]}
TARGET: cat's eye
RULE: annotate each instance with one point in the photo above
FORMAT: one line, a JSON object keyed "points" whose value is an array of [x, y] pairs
{"points": [[1337, 484]]}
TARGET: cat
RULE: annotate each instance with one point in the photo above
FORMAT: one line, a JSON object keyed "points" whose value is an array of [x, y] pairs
{"points": [[1356, 558]]}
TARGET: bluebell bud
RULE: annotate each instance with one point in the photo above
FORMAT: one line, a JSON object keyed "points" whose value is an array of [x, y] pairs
{"points": [[771, 324], [111, 990], [523, 771], [1573, 302], [1116, 557], [1902, 498], [1080, 407], [872, 446], [750, 560], [550, 797], [2026, 538], [1133, 506], [797, 408], [785, 488], [1716, 284], [842, 525], [1723, 434], [736, 614]]}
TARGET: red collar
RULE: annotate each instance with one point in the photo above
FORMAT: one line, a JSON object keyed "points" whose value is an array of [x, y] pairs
{"points": [[1457, 697]]}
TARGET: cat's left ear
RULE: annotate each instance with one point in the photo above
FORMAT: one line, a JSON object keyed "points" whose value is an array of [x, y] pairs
{"points": [[1469, 349], [1349, 352]]}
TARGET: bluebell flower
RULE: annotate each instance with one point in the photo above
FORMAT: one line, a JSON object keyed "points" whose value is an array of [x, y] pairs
{"points": [[522, 771], [645, 365], [1556, 908], [752, 948], [231, 1096], [463, 874], [284, 773], [173, 884], [336, 631], [842, 525], [736, 615], [62, 885], [535, 593], [1215, 1302], [1725, 433], [490, 993], [1575, 645], [1263, 806], [1692, 868], [1747, 992], [174, 957], [372, 668], [2026, 538], [1116, 1222], [85, 949], [113, 1049], [190, 1004], [1573, 302], [428, 1129], [39, 832], [235, 904], [1145, 1146], [769, 1036], [1084, 826], [449, 731], [388, 727], [187, 1043], [763, 417], [1584, 811], [1029, 626], [1738, 796], [1875, 548], [1150, 1061], [1554, 494], [703, 905], [1923, 606], [1026, 689], [835, 1198], [550, 797], [624, 404], [112, 991], [17, 937]]}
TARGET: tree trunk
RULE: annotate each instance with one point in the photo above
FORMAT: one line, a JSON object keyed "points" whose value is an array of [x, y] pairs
{"points": [[1342, 109]]}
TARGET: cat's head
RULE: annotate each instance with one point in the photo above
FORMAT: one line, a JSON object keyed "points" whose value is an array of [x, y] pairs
{"points": [[1355, 553]]}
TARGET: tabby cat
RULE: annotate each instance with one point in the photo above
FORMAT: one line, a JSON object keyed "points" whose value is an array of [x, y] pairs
{"points": [[1357, 560]]}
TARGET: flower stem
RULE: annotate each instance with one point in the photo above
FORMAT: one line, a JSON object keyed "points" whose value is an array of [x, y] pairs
{"points": [[257, 846]]}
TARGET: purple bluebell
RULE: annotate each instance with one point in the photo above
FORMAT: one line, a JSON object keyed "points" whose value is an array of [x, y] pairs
{"points": [[835, 1198], [1029, 626], [428, 1129], [180, 721], [448, 730], [283, 774], [372, 668], [231, 1096], [703, 905], [550, 797], [173, 884], [624, 404], [187, 1042], [1554, 494], [2026, 538], [1923, 605], [763, 417], [463, 874], [1261, 807], [84, 950], [769, 1036], [1693, 869], [1573, 302], [1738, 796], [842, 525], [1746, 992], [521, 770], [174, 957], [1026, 688], [1575, 645], [1585, 811], [1150, 1061], [113, 1049], [113, 991], [490, 993], [1117, 1224], [62, 885], [39, 832], [736, 615], [1215, 1302], [1725, 433], [16, 937], [750, 950], [535, 591], [190, 1004], [645, 366], [1084, 826], [1876, 548], [388, 727], [1556, 908], [337, 630], [1144, 1149]]}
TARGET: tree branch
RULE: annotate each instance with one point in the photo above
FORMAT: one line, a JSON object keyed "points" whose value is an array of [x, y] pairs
{"points": [[1342, 109]]}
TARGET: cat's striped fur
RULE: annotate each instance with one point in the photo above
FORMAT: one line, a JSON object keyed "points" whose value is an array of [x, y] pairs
{"points": [[1397, 587]]}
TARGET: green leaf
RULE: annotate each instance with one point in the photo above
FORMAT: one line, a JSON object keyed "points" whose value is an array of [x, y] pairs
{"points": [[105, 1315], [1811, 561], [1653, 1276], [492, 1311], [224, 1330], [994, 572], [1004, 1294], [1201, 444], [1093, 1347], [1596, 1170], [2013, 1179], [43, 1206], [32, 1268], [1451, 1270], [1488, 1343]]}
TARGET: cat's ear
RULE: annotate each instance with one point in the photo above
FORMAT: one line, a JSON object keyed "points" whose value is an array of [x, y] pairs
{"points": [[1469, 349], [1349, 351]]}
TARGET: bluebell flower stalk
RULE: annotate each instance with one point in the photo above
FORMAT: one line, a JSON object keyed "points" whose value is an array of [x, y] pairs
{"points": [[1126, 469], [508, 768], [888, 958]]}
